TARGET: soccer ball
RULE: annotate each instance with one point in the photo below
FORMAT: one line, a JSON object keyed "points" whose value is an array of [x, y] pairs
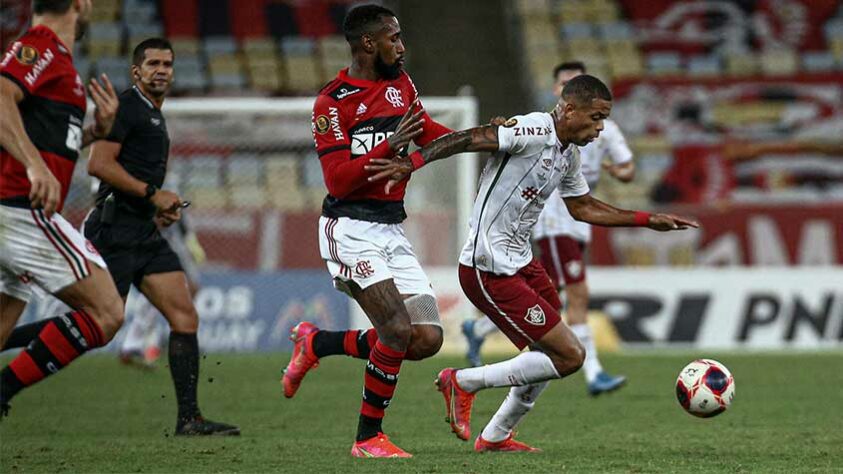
{"points": [[705, 388]]}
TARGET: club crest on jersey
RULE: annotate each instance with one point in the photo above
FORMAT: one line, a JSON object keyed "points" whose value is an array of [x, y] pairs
{"points": [[27, 55], [321, 124], [364, 269], [535, 316], [393, 96], [510, 123]]}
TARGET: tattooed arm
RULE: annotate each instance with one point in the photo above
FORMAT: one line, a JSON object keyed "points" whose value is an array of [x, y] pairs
{"points": [[484, 138]]}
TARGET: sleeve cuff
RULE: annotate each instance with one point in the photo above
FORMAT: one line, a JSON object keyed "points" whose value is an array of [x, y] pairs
{"points": [[417, 160]]}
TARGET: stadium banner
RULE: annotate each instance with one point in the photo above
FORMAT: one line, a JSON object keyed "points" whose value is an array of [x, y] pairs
{"points": [[241, 311], [738, 235], [769, 308]]}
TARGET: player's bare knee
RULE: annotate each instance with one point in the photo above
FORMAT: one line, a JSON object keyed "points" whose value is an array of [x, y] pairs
{"points": [[397, 331], [109, 314], [425, 342], [569, 360], [184, 320]]}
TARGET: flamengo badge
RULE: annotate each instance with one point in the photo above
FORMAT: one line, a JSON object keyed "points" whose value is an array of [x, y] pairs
{"points": [[393, 96]]}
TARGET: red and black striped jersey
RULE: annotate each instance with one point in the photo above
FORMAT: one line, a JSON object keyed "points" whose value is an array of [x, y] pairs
{"points": [[53, 109], [351, 120]]}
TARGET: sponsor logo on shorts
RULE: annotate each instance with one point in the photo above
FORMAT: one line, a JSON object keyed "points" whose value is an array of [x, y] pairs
{"points": [[322, 124], [364, 269], [535, 316], [574, 268], [25, 278]]}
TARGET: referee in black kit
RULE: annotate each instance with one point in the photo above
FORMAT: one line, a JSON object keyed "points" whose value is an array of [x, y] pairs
{"points": [[131, 163]]}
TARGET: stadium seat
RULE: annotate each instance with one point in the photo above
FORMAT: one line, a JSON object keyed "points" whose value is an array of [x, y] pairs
{"points": [[139, 11], [741, 64], [190, 73], [334, 53], [185, 46], [105, 39], [779, 62], [249, 197], [105, 11], [572, 31], [528, 8], [704, 65], [303, 72], [219, 45], [538, 31], [664, 63], [226, 71], [117, 69], [264, 73], [615, 30], [141, 31], [836, 48], [572, 11], [244, 170], [260, 48], [818, 61]]}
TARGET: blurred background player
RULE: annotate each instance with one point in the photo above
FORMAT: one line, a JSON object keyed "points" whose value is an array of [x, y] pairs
{"points": [[142, 345], [532, 155], [562, 242], [43, 103], [371, 110]]}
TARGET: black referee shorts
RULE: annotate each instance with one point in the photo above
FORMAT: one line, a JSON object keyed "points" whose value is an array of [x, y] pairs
{"points": [[132, 249], [129, 265]]}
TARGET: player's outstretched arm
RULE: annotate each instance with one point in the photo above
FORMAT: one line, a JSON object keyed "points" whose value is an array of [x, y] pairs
{"points": [[594, 211], [45, 188], [484, 138]]}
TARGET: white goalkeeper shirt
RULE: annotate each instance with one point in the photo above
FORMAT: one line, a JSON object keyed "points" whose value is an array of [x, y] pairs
{"points": [[529, 165], [555, 219]]}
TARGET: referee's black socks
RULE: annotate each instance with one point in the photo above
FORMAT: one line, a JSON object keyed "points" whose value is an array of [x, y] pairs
{"points": [[183, 355]]}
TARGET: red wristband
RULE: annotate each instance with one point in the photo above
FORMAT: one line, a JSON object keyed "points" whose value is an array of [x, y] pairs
{"points": [[641, 218], [417, 160]]}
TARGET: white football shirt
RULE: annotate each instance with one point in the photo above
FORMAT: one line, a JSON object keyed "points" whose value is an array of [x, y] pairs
{"points": [[529, 165], [555, 219]]}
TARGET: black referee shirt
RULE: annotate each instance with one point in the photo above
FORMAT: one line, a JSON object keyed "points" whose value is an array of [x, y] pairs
{"points": [[142, 131]]}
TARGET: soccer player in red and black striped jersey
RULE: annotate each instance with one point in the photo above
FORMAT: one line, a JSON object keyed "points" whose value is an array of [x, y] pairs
{"points": [[371, 110], [42, 102]]}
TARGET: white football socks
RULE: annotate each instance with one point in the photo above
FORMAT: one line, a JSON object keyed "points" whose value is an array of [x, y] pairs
{"points": [[525, 368], [591, 366], [483, 327], [519, 401], [142, 324]]}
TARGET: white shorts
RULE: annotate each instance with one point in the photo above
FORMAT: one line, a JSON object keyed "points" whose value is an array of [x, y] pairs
{"points": [[47, 252], [369, 252]]}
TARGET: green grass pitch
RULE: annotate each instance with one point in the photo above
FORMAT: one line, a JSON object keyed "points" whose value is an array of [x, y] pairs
{"points": [[98, 416]]}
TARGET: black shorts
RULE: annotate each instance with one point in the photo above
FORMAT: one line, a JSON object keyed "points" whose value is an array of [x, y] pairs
{"points": [[130, 258]]}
